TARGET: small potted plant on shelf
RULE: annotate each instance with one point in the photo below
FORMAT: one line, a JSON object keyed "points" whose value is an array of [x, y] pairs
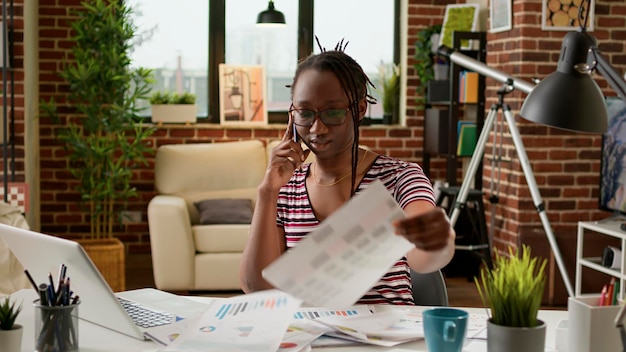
{"points": [[513, 289], [10, 333], [389, 75], [170, 107], [425, 58]]}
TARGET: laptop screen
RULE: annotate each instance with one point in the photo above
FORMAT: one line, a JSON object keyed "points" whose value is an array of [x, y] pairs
{"points": [[43, 254]]}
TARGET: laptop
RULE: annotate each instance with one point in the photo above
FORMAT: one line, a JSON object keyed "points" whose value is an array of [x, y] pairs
{"points": [[42, 254]]}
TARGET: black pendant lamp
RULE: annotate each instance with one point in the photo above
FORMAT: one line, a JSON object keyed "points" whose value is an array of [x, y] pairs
{"points": [[270, 16]]}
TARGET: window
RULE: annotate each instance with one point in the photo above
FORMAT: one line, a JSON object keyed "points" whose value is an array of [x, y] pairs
{"points": [[184, 44], [173, 41]]}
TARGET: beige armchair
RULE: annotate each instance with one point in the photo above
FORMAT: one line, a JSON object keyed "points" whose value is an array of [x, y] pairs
{"points": [[186, 254]]}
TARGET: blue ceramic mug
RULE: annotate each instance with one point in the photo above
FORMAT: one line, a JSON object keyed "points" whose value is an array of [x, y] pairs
{"points": [[445, 329]]}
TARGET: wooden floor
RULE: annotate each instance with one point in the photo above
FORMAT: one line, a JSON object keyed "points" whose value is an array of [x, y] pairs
{"points": [[461, 292]]}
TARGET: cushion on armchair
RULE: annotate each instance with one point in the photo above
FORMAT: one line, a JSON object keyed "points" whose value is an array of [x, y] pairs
{"points": [[225, 211]]}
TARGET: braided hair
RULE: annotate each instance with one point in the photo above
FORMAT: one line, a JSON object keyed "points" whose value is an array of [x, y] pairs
{"points": [[353, 80]]}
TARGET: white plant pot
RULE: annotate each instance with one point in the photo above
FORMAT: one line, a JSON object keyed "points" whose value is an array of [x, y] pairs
{"points": [[11, 340], [175, 113]]}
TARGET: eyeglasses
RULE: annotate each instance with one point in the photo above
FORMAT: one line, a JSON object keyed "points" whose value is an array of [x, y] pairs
{"points": [[330, 117]]}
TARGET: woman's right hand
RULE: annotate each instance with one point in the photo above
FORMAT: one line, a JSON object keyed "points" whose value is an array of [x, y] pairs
{"points": [[285, 158]]}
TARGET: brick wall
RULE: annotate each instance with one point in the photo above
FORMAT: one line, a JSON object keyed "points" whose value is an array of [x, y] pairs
{"points": [[566, 165]]}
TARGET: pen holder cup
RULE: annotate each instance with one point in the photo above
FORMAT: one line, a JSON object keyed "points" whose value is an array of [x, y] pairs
{"points": [[592, 327], [56, 327]]}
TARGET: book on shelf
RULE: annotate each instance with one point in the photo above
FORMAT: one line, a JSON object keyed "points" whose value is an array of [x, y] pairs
{"points": [[466, 141], [468, 87]]}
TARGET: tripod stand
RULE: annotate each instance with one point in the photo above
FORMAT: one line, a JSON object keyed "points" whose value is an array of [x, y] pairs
{"points": [[528, 174]]}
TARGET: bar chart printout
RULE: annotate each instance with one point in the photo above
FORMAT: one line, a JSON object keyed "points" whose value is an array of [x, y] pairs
{"points": [[252, 322]]}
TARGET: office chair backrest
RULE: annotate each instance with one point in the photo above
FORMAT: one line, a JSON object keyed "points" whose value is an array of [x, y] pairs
{"points": [[429, 289]]}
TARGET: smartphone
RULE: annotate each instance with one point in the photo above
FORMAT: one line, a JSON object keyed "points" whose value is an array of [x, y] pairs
{"points": [[295, 132]]}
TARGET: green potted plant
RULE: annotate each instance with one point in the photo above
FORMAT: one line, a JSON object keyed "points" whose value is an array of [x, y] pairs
{"points": [[170, 107], [424, 59], [10, 333], [513, 289], [99, 124], [389, 75]]}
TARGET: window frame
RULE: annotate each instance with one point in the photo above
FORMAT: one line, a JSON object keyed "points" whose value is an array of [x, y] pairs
{"points": [[217, 48]]}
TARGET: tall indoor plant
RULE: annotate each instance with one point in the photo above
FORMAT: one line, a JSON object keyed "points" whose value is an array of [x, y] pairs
{"points": [[101, 130], [513, 289]]}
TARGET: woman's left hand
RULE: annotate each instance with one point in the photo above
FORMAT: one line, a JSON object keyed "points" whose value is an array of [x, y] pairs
{"points": [[428, 231]]}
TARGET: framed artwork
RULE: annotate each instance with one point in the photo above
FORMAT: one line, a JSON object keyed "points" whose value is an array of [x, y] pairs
{"points": [[566, 15], [461, 17], [500, 16], [242, 94]]}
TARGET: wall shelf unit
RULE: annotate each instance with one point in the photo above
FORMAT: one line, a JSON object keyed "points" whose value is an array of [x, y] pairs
{"points": [[611, 228], [444, 110]]}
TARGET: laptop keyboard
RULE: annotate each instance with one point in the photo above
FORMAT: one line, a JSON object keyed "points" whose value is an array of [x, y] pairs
{"points": [[145, 317]]}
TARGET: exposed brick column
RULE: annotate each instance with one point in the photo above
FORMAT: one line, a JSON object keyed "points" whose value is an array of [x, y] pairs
{"points": [[565, 164]]}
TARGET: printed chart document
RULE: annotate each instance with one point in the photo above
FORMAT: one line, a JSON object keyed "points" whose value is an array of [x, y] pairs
{"points": [[349, 252], [252, 322]]}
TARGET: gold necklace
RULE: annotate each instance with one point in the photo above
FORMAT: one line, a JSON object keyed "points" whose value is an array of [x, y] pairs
{"points": [[339, 179]]}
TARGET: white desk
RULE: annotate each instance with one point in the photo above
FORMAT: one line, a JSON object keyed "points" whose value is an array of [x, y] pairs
{"points": [[95, 338]]}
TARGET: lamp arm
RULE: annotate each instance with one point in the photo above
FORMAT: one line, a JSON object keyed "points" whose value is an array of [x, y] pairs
{"points": [[480, 67], [596, 60]]}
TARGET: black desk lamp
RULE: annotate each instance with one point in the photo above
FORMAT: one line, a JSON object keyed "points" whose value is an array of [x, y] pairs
{"points": [[569, 98]]}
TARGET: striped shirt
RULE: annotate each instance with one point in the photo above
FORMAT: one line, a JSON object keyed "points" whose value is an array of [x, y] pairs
{"points": [[404, 180]]}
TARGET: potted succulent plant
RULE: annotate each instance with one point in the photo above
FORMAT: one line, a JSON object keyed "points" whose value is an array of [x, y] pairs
{"points": [[10, 333], [99, 125], [173, 107], [513, 289]]}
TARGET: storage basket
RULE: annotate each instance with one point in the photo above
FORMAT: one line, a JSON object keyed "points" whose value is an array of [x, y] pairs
{"points": [[108, 256]]}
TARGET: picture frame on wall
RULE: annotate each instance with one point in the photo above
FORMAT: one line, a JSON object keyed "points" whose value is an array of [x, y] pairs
{"points": [[560, 16], [461, 18], [242, 94], [500, 16]]}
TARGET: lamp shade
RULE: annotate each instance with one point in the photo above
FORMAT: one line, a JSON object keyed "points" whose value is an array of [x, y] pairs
{"points": [[569, 98], [270, 16]]}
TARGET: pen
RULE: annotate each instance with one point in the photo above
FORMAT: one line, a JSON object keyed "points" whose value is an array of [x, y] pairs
{"points": [[43, 296], [609, 296], [51, 281], [50, 297], [602, 296], [61, 274], [32, 282]]}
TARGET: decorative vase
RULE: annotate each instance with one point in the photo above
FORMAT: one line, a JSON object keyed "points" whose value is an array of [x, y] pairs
{"points": [[515, 339], [11, 340]]}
